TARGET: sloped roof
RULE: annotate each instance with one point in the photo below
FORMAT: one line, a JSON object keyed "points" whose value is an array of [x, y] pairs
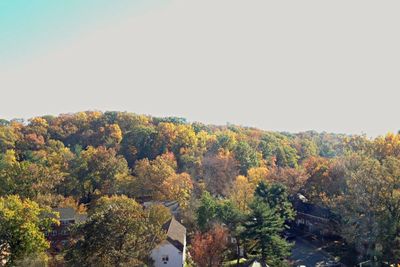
{"points": [[66, 213], [79, 218], [314, 210], [176, 233], [253, 263], [172, 205]]}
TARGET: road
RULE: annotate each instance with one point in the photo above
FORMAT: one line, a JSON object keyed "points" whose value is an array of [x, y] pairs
{"points": [[304, 253]]}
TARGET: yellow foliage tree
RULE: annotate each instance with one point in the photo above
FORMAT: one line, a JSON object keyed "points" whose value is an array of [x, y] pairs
{"points": [[256, 175], [242, 193], [178, 187]]}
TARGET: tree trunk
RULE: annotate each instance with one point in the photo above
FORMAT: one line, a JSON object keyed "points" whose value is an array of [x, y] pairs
{"points": [[237, 252], [263, 263], [263, 257]]}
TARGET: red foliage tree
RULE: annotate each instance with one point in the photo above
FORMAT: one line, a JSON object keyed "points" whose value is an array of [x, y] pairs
{"points": [[208, 248]]}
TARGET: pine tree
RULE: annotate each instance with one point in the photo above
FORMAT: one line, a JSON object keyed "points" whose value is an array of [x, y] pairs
{"points": [[269, 211]]}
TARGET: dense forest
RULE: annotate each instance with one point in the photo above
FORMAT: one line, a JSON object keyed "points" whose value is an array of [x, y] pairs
{"points": [[222, 176]]}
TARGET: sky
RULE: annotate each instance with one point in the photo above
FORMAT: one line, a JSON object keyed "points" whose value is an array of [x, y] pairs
{"points": [[278, 65]]}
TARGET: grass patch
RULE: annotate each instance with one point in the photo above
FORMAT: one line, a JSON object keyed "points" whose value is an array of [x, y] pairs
{"points": [[233, 262]]}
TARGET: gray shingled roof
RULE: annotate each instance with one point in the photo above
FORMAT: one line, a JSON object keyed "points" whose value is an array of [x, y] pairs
{"points": [[66, 213], [176, 233]]}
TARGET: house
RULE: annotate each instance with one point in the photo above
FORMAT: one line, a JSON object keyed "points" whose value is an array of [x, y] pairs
{"points": [[253, 263], [4, 253], [59, 234], [315, 219], [171, 252]]}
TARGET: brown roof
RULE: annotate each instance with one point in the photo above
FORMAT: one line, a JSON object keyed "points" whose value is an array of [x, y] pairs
{"points": [[176, 233]]}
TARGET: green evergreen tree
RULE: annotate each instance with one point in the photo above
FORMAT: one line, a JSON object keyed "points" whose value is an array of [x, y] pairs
{"points": [[269, 212], [263, 228], [276, 196]]}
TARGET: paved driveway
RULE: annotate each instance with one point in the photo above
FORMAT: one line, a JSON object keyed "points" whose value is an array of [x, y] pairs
{"points": [[304, 253]]}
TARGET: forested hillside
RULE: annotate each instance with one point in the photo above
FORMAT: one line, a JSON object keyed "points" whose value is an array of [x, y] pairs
{"points": [[88, 157]]}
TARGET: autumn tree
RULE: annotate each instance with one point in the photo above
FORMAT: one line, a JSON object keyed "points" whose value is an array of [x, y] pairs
{"points": [[111, 135], [139, 143], [225, 140], [85, 129], [242, 193], [26, 178], [208, 249], [150, 175], [212, 211], [158, 214], [192, 158], [97, 170], [369, 207], [185, 140], [317, 169], [178, 187], [179, 138], [257, 175], [128, 121], [326, 178], [293, 178], [306, 148], [386, 146], [118, 232], [23, 225], [220, 171], [33, 136], [8, 137]]}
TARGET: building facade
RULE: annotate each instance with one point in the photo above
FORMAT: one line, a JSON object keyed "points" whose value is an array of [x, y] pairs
{"points": [[171, 252], [60, 234]]}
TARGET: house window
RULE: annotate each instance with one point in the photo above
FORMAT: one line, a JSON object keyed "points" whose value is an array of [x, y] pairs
{"points": [[165, 259]]}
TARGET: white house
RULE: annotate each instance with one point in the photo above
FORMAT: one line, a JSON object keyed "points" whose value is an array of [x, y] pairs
{"points": [[171, 252]]}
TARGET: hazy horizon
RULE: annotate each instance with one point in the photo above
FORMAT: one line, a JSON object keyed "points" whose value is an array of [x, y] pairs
{"points": [[26, 120], [280, 66]]}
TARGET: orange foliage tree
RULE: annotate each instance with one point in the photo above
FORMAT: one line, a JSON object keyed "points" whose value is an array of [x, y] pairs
{"points": [[208, 249], [220, 172]]}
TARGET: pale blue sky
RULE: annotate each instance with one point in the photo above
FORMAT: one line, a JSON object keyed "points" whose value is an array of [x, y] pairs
{"points": [[31, 26], [278, 65]]}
